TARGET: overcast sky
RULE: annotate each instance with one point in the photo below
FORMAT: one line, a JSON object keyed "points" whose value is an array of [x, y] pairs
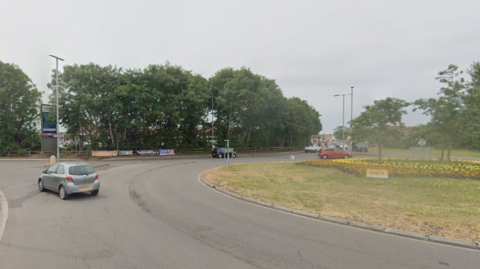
{"points": [[313, 49]]}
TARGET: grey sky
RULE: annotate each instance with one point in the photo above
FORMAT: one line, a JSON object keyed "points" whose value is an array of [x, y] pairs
{"points": [[313, 49]]}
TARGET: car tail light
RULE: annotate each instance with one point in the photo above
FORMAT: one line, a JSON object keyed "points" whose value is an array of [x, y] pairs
{"points": [[69, 178], [97, 177]]}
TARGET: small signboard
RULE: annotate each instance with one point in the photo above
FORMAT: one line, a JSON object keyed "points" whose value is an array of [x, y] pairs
{"points": [[167, 152], [422, 142], [104, 153], [125, 152], [48, 128], [377, 173], [147, 152]]}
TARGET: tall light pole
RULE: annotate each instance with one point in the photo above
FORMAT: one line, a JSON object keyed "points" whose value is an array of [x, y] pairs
{"points": [[343, 118], [58, 128], [213, 145], [351, 117]]}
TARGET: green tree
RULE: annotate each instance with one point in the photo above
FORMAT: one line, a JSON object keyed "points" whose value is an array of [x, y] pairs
{"points": [[337, 132], [161, 105], [448, 113], [472, 103], [374, 124], [251, 110], [301, 121], [86, 101], [19, 109]]}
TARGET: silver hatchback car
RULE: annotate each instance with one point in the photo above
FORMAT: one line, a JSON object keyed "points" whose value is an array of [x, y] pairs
{"points": [[67, 178]]}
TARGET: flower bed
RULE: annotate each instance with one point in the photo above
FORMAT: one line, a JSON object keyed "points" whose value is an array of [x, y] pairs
{"points": [[404, 167]]}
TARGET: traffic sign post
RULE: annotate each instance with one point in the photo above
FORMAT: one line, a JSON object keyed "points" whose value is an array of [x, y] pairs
{"points": [[422, 143]]}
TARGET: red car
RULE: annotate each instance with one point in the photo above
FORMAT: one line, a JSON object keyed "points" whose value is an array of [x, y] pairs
{"points": [[331, 153]]}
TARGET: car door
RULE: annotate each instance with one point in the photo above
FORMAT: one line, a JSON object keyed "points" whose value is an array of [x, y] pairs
{"points": [[58, 176], [337, 153], [48, 177]]}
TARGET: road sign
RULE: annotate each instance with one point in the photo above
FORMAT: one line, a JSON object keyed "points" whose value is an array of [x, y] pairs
{"points": [[422, 142]]}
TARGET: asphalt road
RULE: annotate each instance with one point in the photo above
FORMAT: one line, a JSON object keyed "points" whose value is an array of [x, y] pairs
{"points": [[157, 214]]}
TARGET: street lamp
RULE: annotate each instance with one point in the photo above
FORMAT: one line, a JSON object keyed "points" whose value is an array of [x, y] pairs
{"points": [[343, 118], [351, 118], [58, 129], [213, 145]]}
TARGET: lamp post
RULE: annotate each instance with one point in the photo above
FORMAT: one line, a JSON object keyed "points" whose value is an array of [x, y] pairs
{"points": [[213, 145], [58, 129], [343, 118], [351, 117]]}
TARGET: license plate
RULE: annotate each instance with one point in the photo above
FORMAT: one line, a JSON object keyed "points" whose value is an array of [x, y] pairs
{"points": [[83, 188]]}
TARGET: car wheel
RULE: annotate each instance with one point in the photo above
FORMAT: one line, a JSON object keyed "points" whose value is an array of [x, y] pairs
{"points": [[234, 155], [346, 157], [62, 193], [324, 157], [95, 192], [40, 185]]}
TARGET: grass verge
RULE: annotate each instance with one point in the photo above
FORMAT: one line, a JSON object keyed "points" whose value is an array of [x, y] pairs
{"points": [[435, 206]]}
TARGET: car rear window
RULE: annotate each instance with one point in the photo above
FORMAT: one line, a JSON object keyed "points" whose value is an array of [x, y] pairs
{"points": [[81, 170]]}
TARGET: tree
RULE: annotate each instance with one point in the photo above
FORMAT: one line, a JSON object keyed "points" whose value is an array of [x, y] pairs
{"points": [[472, 103], [86, 103], [19, 105], [165, 106], [338, 133], [301, 121], [252, 111], [374, 124], [448, 113], [161, 105]]}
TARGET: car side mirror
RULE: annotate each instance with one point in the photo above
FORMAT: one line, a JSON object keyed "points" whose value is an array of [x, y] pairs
{"points": [[44, 171]]}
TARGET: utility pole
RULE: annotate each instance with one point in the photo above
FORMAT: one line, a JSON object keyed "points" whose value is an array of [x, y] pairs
{"points": [[213, 145], [351, 118], [343, 119], [58, 129]]}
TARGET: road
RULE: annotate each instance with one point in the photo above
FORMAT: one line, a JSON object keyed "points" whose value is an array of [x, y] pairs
{"points": [[157, 214]]}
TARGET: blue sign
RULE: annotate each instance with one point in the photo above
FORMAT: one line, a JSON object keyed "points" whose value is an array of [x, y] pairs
{"points": [[167, 152], [48, 128]]}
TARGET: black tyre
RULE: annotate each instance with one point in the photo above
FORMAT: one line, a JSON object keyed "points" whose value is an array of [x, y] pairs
{"points": [[324, 157], [62, 193], [95, 192], [346, 157], [40, 185]]}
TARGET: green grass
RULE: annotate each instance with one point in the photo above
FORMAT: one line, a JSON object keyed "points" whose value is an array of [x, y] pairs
{"points": [[444, 207]]}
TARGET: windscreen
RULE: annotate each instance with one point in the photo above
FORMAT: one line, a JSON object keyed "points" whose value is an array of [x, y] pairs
{"points": [[81, 170]]}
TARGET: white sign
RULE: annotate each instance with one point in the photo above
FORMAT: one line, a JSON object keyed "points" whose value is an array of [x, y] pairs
{"points": [[422, 142], [377, 173]]}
